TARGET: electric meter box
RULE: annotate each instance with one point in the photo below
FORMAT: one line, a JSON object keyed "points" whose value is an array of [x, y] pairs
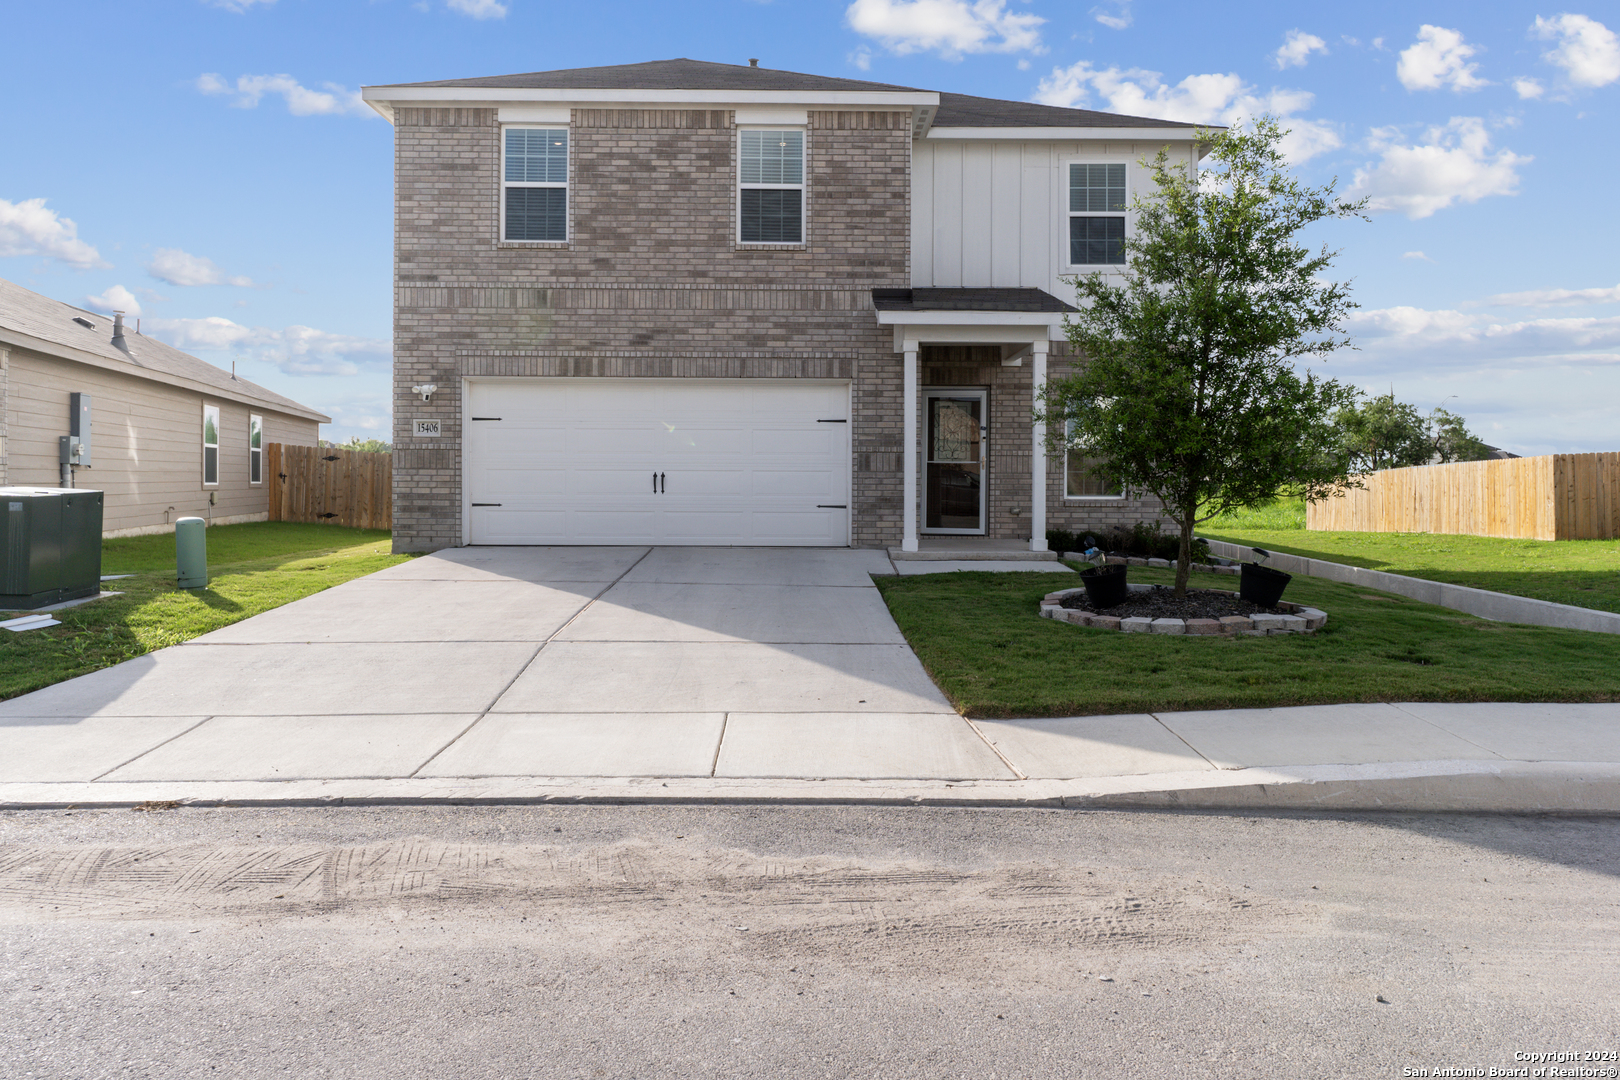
{"points": [[51, 547]]}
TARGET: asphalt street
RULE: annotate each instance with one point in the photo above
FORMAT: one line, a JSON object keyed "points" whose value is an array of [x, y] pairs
{"points": [[758, 941]]}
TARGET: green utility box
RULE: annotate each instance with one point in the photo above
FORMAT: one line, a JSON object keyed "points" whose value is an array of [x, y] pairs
{"points": [[51, 548]]}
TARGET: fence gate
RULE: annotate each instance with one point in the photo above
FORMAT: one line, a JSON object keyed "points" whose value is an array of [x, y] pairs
{"points": [[330, 485]]}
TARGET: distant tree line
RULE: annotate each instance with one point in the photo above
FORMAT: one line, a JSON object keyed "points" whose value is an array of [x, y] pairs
{"points": [[1382, 433], [364, 446]]}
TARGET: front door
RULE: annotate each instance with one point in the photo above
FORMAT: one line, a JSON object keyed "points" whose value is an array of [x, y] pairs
{"points": [[954, 461]]}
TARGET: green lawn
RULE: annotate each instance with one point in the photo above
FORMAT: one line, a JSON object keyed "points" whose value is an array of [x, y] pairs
{"points": [[251, 568], [1585, 573], [980, 637]]}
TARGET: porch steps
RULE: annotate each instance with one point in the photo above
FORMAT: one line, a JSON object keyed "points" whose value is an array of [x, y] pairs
{"points": [[973, 555]]}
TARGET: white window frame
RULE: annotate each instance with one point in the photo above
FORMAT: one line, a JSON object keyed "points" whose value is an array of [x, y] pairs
{"points": [[802, 187], [210, 412], [1068, 215], [565, 185], [255, 453], [1068, 430]]}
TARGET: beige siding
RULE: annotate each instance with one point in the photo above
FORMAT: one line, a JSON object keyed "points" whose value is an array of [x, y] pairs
{"points": [[995, 214], [146, 442]]}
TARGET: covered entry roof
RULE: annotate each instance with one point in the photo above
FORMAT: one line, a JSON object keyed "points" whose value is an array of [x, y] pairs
{"points": [[986, 300]]}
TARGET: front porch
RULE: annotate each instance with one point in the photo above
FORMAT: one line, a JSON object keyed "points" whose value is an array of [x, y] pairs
{"points": [[972, 488]]}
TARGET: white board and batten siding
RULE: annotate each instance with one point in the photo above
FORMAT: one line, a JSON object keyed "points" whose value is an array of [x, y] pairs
{"points": [[992, 214], [656, 461]]}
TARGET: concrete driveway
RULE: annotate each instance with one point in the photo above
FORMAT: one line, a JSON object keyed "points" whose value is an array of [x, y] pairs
{"points": [[487, 662]]}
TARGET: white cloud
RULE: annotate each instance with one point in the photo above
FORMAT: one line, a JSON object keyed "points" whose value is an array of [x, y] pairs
{"points": [[1416, 256], [28, 228], [1587, 50], [335, 100], [239, 6], [1438, 59], [369, 415], [478, 9], [1197, 99], [296, 350], [861, 58], [948, 27], [1296, 49], [1416, 335], [1512, 378], [1118, 19], [1556, 297], [115, 298], [1528, 89], [181, 268], [1455, 164]]}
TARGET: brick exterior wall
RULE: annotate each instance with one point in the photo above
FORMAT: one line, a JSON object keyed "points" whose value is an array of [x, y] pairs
{"points": [[1007, 476], [652, 282]]}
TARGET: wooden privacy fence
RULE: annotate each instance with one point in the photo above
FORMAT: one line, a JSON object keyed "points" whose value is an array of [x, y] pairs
{"points": [[329, 485], [1556, 497]]}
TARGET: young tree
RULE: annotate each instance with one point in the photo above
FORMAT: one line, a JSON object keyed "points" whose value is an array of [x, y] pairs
{"points": [[1189, 389]]}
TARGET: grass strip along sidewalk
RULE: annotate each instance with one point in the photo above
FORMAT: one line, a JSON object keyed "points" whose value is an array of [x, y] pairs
{"points": [[251, 568], [981, 638], [1583, 573]]}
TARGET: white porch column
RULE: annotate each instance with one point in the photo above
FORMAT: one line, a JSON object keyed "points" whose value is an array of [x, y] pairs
{"points": [[908, 496], [1037, 458]]}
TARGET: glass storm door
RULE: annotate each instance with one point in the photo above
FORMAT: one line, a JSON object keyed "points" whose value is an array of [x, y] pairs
{"points": [[954, 461]]}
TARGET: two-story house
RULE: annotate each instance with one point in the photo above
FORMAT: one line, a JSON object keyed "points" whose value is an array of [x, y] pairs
{"points": [[694, 303]]}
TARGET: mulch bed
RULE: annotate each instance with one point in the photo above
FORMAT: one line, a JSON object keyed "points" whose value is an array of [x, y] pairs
{"points": [[1162, 603]]}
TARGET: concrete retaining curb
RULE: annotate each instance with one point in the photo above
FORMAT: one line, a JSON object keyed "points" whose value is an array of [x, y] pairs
{"points": [[1500, 607], [1419, 786]]}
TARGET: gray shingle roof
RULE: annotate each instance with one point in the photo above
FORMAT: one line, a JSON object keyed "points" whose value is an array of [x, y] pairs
{"points": [[682, 74], [955, 110], [52, 321], [967, 300], [962, 110]]}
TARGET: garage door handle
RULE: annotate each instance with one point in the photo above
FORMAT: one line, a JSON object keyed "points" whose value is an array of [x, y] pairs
{"points": [[655, 482], [663, 483]]}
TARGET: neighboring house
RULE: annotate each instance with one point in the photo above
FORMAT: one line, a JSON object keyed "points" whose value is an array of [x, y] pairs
{"points": [[693, 303], [169, 436]]}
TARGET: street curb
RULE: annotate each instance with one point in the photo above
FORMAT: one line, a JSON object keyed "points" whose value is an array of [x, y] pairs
{"points": [[1416, 787]]}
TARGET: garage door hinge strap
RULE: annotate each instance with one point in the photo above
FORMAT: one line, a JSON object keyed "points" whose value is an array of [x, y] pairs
{"points": [[832, 506], [486, 504], [832, 421]]}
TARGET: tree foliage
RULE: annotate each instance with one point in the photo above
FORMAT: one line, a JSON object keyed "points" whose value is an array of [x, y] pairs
{"points": [[1382, 433], [1189, 388]]}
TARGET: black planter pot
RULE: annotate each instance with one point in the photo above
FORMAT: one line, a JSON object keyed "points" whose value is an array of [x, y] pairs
{"points": [[1105, 586], [1262, 585]]}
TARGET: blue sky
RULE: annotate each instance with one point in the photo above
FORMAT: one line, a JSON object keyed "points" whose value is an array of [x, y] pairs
{"points": [[207, 163]]}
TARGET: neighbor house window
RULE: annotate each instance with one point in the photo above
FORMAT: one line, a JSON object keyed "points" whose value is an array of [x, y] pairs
{"points": [[771, 187], [255, 449], [1082, 479], [210, 444], [1097, 215], [534, 179]]}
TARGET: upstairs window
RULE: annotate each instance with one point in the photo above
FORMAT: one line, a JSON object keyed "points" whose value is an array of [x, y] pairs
{"points": [[210, 445], [255, 449], [534, 178], [771, 181], [1097, 215]]}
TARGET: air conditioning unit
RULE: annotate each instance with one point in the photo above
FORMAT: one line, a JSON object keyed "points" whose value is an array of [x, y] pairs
{"points": [[50, 549]]}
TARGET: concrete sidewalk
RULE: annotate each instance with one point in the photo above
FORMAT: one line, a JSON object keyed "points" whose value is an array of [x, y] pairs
{"points": [[709, 674]]}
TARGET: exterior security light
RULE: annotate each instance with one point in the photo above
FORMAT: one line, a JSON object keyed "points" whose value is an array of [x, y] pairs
{"points": [[426, 390]]}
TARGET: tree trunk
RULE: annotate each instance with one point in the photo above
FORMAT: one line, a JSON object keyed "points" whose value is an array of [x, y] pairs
{"points": [[1184, 561]]}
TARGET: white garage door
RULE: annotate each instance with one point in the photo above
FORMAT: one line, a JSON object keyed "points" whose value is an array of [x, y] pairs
{"points": [[657, 461]]}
